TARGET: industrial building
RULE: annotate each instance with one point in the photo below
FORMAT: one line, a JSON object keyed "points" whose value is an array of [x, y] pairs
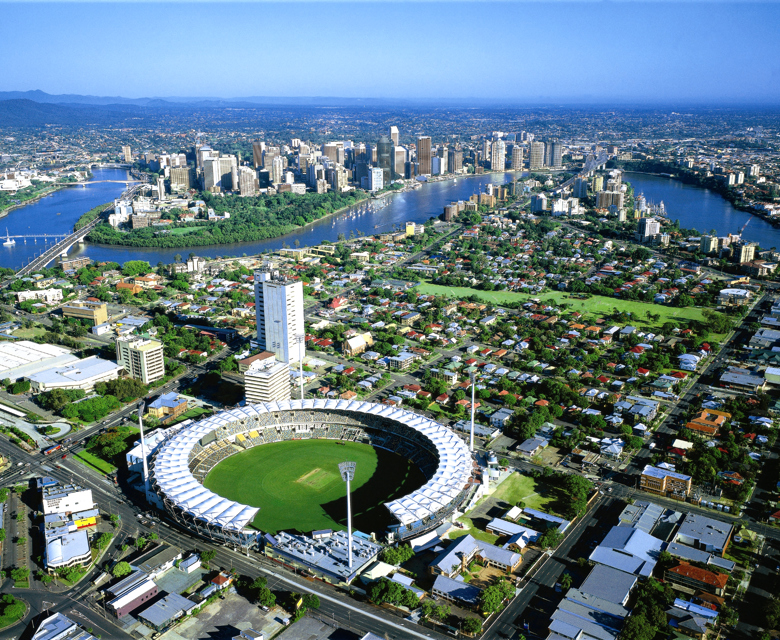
{"points": [[81, 374]]}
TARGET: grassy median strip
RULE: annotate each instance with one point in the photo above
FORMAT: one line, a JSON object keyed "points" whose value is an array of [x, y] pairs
{"points": [[90, 460]]}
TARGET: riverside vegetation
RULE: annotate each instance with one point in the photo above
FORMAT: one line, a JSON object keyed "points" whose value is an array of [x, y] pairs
{"points": [[251, 219]]}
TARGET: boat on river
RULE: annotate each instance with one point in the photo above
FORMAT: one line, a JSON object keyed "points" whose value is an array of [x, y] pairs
{"points": [[9, 241]]}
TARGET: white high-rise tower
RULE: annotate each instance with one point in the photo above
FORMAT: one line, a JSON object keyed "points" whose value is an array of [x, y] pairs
{"points": [[279, 315]]}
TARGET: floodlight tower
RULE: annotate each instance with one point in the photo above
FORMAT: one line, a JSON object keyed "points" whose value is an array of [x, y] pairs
{"points": [[141, 407], [300, 340], [473, 390], [347, 470]]}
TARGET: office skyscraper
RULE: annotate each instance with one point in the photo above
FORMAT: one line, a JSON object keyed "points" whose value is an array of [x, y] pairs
{"points": [[394, 135], [257, 153], [517, 158], [556, 154], [383, 151], [424, 155], [220, 173], [247, 181], [128, 154], [455, 160], [580, 188], [277, 169], [498, 156], [399, 158], [536, 157], [279, 315]]}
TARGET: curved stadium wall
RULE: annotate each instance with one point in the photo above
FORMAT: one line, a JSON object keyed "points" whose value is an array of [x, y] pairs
{"points": [[181, 464]]}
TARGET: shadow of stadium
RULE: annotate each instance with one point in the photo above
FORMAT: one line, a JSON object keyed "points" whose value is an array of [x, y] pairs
{"points": [[394, 477]]}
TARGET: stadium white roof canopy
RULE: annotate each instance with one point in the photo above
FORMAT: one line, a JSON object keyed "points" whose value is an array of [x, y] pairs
{"points": [[173, 477]]}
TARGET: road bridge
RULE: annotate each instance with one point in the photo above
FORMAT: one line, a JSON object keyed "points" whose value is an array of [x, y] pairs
{"points": [[64, 245], [591, 163], [90, 182]]}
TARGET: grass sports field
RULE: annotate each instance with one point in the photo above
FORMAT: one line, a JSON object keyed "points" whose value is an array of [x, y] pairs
{"points": [[297, 484], [597, 305]]}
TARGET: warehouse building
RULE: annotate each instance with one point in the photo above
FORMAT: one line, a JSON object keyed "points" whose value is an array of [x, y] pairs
{"points": [[82, 374]]}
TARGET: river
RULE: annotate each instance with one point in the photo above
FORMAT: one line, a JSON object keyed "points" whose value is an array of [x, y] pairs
{"points": [[702, 209], [692, 206], [59, 211]]}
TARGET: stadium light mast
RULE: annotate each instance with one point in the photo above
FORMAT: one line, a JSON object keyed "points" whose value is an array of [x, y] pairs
{"points": [[141, 408], [473, 390], [300, 340], [347, 470]]}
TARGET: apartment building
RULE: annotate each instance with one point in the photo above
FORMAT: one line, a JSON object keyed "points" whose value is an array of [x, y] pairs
{"points": [[141, 358]]}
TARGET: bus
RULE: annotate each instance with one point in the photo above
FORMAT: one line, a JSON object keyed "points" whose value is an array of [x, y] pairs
{"points": [[56, 447]]}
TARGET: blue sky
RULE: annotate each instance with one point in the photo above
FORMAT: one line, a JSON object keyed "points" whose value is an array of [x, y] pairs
{"points": [[522, 52]]}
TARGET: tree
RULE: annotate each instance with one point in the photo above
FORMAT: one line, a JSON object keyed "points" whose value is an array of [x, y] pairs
{"points": [[472, 626], [311, 601], [550, 538], [491, 599], [397, 555], [114, 519], [140, 542], [121, 569], [103, 540], [566, 581], [19, 574], [2, 535], [265, 597], [772, 613], [442, 612], [21, 540], [208, 556]]}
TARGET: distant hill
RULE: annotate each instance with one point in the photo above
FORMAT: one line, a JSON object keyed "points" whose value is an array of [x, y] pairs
{"points": [[47, 98], [199, 102], [27, 113]]}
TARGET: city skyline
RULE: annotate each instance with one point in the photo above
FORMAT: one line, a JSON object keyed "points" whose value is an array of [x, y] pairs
{"points": [[560, 52]]}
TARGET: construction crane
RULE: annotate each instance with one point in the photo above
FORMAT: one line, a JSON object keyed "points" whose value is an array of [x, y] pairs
{"points": [[743, 227]]}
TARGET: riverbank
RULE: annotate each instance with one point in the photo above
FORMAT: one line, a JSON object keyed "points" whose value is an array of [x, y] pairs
{"points": [[53, 188], [697, 180], [190, 236]]}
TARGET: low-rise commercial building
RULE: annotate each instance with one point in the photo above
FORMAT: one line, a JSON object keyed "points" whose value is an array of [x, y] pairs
{"points": [[66, 549], [60, 627], [700, 532], [95, 312], [23, 358], [66, 499], [664, 482], [82, 374], [165, 612], [131, 593]]}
